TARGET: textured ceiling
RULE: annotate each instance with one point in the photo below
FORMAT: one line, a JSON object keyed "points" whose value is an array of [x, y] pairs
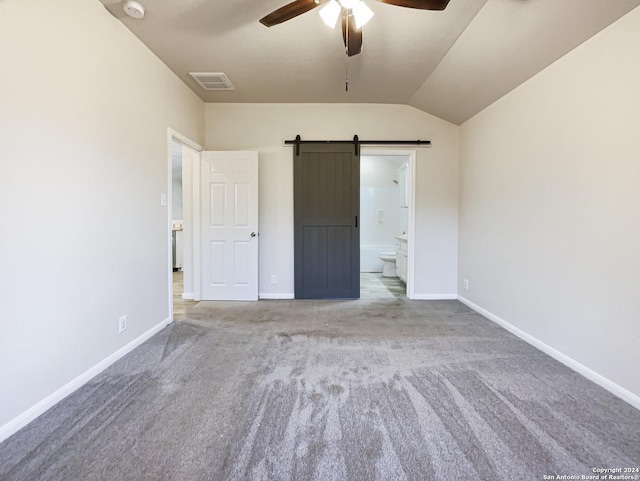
{"points": [[451, 64]]}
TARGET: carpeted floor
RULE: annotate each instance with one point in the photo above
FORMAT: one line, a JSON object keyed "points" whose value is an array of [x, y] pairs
{"points": [[329, 390]]}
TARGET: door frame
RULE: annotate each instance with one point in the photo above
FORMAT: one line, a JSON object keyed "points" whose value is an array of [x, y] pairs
{"points": [[175, 136], [411, 188]]}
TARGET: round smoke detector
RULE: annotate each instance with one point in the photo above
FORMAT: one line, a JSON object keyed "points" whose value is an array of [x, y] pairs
{"points": [[134, 9]]}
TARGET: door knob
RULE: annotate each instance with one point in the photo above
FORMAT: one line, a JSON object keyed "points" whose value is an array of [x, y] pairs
{"points": [[253, 234]]}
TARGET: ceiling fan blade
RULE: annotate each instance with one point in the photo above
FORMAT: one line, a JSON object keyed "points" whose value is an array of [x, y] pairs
{"points": [[351, 36], [289, 11], [419, 4]]}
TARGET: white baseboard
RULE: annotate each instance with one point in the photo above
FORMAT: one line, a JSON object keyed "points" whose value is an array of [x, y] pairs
{"points": [[188, 296], [600, 380], [279, 295], [433, 297], [32, 413]]}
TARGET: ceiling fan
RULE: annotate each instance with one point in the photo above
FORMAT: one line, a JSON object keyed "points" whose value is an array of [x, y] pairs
{"points": [[354, 13]]}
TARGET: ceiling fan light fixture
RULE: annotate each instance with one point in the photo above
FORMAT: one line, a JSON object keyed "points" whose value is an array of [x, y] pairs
{"points": [[362, 14], [330, 13]]}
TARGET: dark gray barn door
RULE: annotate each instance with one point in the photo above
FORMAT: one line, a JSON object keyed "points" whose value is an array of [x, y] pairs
{"points": [[326, 209]]}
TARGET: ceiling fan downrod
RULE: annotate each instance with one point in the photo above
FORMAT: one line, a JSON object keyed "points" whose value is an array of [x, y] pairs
{"points": [[346, 77], [346, 73]]}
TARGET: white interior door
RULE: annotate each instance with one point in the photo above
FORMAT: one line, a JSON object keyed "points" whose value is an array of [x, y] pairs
{"points": [[229, 226]]}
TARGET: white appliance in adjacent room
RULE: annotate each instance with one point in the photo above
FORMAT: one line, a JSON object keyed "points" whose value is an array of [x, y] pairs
{"points": [[176, 234]]}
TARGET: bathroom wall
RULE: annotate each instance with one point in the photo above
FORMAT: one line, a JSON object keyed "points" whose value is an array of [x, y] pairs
{"points": [[379, 209], [403, 210]]}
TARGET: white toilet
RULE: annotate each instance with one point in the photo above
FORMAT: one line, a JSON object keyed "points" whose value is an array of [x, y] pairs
{"points": [[389, 267]]}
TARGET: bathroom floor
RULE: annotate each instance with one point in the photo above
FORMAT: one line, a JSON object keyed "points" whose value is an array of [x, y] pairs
{"points": [[374, 286]]}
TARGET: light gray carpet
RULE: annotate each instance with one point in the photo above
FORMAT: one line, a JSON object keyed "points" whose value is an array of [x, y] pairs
{"points": [[329, 390]]}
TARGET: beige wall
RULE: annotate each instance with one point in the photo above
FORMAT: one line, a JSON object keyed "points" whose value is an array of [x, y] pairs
{"points": [[85, 108], [263, 127], [550, 206]]}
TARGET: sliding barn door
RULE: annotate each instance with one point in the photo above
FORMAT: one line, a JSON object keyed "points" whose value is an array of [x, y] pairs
{"points": [[326, 209]]}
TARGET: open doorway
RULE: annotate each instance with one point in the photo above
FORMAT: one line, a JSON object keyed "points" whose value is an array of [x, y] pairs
{"points": [[183, 158], [385, 201], [180, 305]]}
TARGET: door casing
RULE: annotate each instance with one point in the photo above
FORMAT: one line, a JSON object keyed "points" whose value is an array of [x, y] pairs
{"points": [[174, 136], [411, 188]]}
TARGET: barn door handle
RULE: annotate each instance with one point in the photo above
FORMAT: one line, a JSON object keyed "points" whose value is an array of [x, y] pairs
{"points": [[356, 222]]}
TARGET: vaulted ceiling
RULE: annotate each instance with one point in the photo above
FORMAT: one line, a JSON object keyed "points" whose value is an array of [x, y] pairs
{"points": [[450, 63]]}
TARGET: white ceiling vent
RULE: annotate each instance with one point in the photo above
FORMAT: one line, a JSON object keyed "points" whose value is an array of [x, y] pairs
{"points": [[212, 80]]}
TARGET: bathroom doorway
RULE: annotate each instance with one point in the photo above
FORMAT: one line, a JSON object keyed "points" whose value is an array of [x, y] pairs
{"points": [[386, 197]]}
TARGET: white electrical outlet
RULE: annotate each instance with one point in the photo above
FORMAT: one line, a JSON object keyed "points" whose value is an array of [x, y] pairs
{"points": [[466, 284], [274, 279], [122, 324]]}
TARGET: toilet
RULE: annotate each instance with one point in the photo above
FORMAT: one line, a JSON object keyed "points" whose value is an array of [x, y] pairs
{"points": [[389, 267]]}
